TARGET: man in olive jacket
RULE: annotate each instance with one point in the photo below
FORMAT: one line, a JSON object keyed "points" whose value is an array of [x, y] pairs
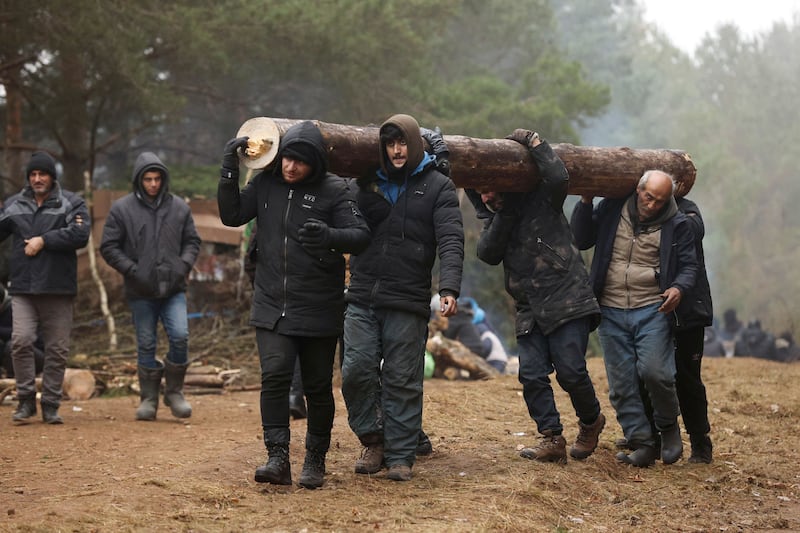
{"points": [[149, 237], [48, 225], [306, 219]]}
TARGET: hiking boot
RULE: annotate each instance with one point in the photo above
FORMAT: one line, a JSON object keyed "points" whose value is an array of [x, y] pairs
{"points": [[424, 446], [277, 470], [371, 460], [701, 449], [671, 444], [550, 449], [589, 434], [399, 472], [50, 414], [25, 410], [313, 473], [643, 456]]}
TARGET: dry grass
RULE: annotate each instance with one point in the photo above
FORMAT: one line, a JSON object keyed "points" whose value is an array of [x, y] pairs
{"points": [[102, 471]]}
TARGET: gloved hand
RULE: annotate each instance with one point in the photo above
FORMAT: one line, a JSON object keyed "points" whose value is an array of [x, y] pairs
{"points": [[524, 137], [314, 234], [438, 148], [230, 157]]}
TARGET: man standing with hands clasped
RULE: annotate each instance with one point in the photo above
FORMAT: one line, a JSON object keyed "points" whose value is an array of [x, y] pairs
{"points": [[48, 225], [149, 237]]}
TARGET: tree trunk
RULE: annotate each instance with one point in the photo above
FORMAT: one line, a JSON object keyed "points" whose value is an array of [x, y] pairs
{"points": [[504, 165]]}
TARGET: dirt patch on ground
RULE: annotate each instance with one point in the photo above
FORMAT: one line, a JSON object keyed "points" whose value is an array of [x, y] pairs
{"points": [[103, 471]]}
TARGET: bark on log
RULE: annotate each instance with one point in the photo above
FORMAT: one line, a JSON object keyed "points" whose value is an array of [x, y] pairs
{"points": [[450, 353], [504, 165]]}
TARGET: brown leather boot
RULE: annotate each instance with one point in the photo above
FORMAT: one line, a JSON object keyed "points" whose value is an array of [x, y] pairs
{"points": [[371, 460], [550, 449], [587, 439]]}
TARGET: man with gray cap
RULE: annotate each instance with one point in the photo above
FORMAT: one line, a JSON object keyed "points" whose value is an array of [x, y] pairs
{"points": [[48, 224], [149, 237]]}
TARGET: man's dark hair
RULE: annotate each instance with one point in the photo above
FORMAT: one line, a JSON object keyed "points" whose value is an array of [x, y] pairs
{"points": [[390, 132]]}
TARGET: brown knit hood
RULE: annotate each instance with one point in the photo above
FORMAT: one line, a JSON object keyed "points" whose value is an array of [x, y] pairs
{"points": [[410, 128]]}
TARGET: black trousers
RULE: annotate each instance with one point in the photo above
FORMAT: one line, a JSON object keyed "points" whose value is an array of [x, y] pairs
{"points": [[278, 354], [689, 382]]}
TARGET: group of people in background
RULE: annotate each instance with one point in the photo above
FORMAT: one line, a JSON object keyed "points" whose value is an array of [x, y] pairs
{"points": [[733, 338], [646, 291]]}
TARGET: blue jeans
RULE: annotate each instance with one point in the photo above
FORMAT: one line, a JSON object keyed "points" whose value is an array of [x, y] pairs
{"points": [[172, 313], [385, 399], [638, 345], [563, 351]]}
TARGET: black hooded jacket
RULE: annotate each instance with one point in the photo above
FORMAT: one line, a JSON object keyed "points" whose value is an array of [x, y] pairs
{"points": [[152, 242], [297, 291], [424, 218]]}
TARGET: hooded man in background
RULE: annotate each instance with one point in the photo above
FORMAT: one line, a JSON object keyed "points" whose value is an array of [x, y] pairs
{"points": [[48, 224], [149, 237]]}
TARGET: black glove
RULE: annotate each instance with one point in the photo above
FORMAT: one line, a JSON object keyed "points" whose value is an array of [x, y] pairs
{"points": [[230, 157], [524, 137], [438, 148], [314, 234]]}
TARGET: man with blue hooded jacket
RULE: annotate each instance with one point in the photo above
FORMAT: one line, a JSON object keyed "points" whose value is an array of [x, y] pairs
{"points": [[149, 237], [413, 213]]}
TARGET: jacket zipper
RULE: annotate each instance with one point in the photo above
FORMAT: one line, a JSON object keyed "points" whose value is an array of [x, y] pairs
{"points": [[286, 252], [540, 241]]}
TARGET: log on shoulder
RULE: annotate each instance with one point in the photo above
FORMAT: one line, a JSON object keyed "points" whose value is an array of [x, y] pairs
{"points": [[504, 165]]}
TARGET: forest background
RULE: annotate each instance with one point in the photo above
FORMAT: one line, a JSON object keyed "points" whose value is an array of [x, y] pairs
{"points": [[96, 82]]}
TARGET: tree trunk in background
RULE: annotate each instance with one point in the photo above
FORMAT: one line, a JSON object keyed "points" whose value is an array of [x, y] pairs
{"points": [[504, 165], [13, 135]]}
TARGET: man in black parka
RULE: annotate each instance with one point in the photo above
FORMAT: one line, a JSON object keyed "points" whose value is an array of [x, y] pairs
{"points": [[306, 219]]}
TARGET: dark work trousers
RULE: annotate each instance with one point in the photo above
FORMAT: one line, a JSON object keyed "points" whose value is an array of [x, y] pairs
{"points": [[278, 354], [563, 351], [688, 381]]}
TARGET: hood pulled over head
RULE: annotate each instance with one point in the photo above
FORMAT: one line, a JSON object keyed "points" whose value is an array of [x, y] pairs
{"points": [[409, 127], [304, 142], [145, 162]]}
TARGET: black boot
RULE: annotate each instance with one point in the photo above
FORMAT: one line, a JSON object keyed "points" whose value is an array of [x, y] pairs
{"points": [[277, 470], [701, 448], [424, 446], [313, 474], [50, 414], [173, 392], [642, 456], [25, 410], [149, 388], [297, 406], [671, 444]]}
